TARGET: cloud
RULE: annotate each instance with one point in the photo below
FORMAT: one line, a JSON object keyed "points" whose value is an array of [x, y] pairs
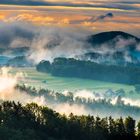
{"points": [[23, 2], [101, 17], [47, 43], [66, 108], [116, 5], [15, 31], [44, 42], [58, 42], [92, 19], [8, 92]]}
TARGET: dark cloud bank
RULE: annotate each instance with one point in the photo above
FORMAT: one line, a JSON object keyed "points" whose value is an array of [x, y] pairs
{"points": [[115, 5]]}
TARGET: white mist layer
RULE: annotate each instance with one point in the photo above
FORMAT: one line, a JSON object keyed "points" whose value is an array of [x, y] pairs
{"points": [[50, 43], [53, 42], [72, 108], [131, 102], [47, 43], [86, 94], [8, 92]]}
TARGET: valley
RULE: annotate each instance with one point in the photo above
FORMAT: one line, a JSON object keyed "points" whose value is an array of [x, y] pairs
{"points": [[59, 84]]}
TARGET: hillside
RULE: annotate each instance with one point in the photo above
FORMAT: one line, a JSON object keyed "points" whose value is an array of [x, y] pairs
{"points": [[113, 48], [86, 69], [110, 48], [19, 61], [106, 37], [33, 122]]}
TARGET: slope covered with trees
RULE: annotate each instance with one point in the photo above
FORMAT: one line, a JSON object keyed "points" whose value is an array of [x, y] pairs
{"points": [[106, 37], [114, 105], [18, 122], [86, 69]]}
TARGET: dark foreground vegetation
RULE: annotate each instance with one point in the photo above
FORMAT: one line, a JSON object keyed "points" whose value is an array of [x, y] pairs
{"points": [[87, 69], [33, 122]]}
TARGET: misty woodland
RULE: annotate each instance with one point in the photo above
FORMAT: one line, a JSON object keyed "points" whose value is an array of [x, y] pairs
{"points": [[69, 70], [41, 123]]}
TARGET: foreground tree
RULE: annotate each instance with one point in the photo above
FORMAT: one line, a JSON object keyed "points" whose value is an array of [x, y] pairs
{"points": [[18, 122]]}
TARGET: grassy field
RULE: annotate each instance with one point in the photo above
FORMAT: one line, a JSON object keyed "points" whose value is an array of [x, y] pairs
{"points": [[42, 80]]}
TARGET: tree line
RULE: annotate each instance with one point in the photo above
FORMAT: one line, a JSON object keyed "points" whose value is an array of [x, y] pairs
{"points": [[86, 69], [26, 122], [101, 106]]}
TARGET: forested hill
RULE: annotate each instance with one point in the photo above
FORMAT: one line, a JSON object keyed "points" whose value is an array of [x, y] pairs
{"points": [[86, 69], [33, 122], [106, 37]]}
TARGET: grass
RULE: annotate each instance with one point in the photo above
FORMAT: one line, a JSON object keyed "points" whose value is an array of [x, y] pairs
{"points": [[42, 80]]}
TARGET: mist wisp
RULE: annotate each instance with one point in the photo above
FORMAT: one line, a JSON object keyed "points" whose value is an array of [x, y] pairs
{"points": [[47, 43], [79, 102]]}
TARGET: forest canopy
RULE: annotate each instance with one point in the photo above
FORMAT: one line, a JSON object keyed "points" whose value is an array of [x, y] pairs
{"points": [[18, 122], [70, 67]]}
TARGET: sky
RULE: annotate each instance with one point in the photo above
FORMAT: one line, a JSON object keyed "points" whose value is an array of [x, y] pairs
{"points": [[93, 15]]}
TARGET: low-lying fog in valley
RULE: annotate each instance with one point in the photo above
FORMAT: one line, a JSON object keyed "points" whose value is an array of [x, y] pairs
{"points": [[46, 43], [69, 70], [23, 46], [106, 102]]}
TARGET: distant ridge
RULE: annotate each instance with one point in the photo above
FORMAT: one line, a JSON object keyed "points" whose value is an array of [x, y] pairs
{"points": [[105, 37]]}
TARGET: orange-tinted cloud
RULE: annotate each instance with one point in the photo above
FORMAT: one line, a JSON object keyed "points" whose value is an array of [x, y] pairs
{"points": [[43, 15]]}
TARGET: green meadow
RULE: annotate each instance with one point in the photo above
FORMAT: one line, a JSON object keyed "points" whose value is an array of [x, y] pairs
{"points": [[33, 78]]}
